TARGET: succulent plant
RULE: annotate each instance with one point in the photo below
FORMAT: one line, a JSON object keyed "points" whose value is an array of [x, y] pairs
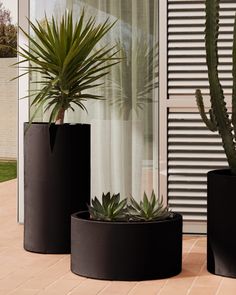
{"points": [[219, 119], [148, 210], [111, 208]]}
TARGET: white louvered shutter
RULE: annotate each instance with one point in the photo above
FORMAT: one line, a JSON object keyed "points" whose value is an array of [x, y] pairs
{"points": [[186, 54], [192, 148], [192, 151]]}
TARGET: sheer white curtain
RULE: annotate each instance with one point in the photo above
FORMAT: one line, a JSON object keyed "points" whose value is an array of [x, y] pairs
{"points": [[124, 126]]}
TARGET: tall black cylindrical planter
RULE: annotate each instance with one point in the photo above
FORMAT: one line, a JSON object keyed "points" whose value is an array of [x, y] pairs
{"points": [[56, 183], [126, 250], [221, 223]]}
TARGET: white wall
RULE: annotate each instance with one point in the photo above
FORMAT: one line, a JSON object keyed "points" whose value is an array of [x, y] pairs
{"points": [[23, 105], [8, 109]]}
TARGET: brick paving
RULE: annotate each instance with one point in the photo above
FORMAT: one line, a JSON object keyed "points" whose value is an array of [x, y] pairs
{"points": [[25, 273]]}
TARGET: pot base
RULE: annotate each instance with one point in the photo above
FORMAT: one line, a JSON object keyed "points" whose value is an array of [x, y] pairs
{"points": [[221, 223]]}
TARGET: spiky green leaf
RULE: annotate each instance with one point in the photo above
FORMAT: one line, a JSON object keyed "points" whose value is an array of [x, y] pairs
{"points": [[65, 53]]}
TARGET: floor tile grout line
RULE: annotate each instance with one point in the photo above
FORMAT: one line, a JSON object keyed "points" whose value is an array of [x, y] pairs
{"points": [[188, 252], [45, 288], [190, 249], [32, 277], [5, 276], [196, 277], [52, 265], [19, 286], [103, 289], [162, 287], [10, 273], [49, 266], [219, 287], [133, 288], [194, 244], [80, 282]]}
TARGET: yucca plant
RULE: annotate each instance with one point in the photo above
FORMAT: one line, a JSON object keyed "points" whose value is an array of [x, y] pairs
{"points": [[66, 56], [111, 208], [219, 118], [148, 209]]}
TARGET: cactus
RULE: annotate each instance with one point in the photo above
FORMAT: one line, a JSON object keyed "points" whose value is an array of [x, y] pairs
{"points": [[219, 118]]}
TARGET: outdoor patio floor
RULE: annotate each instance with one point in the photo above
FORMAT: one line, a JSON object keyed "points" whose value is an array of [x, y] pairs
{"points": [[25, 273]]}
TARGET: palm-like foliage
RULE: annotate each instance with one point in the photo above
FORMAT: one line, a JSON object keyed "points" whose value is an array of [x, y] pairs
{"points": [[110, 209], [148, 210], [145, 59], [64, 55]]}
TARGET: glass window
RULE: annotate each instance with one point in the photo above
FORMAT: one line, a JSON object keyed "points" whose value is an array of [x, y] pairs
{"points": [[124, 147]]}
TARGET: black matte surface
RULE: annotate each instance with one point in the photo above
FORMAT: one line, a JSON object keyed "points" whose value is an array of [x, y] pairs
{"points": [[126, 251], [221, 223], [57, 183]]}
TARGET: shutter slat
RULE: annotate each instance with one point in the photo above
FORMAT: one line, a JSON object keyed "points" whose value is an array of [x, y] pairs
{"points": [[186, 196], [182, 202], [201, 148]]}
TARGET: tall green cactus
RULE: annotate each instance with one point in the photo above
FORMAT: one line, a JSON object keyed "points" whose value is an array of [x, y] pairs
{"points": [[219, 119]]}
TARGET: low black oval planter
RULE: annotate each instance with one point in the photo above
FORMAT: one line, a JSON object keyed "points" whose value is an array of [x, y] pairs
{"points": [[221, 223], [126, 250], [57, 183]]}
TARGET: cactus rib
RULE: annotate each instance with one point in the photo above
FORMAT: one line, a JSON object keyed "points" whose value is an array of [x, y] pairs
{"points": [[234, 80], [210, 123]]}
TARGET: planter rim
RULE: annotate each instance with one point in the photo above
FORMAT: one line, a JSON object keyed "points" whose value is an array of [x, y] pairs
{"points": [[53, 124], [226, 172], [77, 216]]}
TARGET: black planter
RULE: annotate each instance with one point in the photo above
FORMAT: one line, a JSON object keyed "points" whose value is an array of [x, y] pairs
{"points": [[221, 223], [126, 250], [57, 183]]}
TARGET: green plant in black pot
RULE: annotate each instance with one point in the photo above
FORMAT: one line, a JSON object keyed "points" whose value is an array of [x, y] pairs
{"points": [[219, 118], [64, 53], [122, 240], [221, 201], [148, 209], [110, 209], [69, 62]]}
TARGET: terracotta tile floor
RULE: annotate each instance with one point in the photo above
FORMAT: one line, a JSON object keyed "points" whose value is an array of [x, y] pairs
{"points": [[24, 273]]}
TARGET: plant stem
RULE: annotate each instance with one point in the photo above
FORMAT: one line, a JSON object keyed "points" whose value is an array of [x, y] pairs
{"points": [[60, 117]]}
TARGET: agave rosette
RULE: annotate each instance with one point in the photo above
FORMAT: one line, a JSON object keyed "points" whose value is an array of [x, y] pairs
{"points": [[110, 209], [148, 209]]}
